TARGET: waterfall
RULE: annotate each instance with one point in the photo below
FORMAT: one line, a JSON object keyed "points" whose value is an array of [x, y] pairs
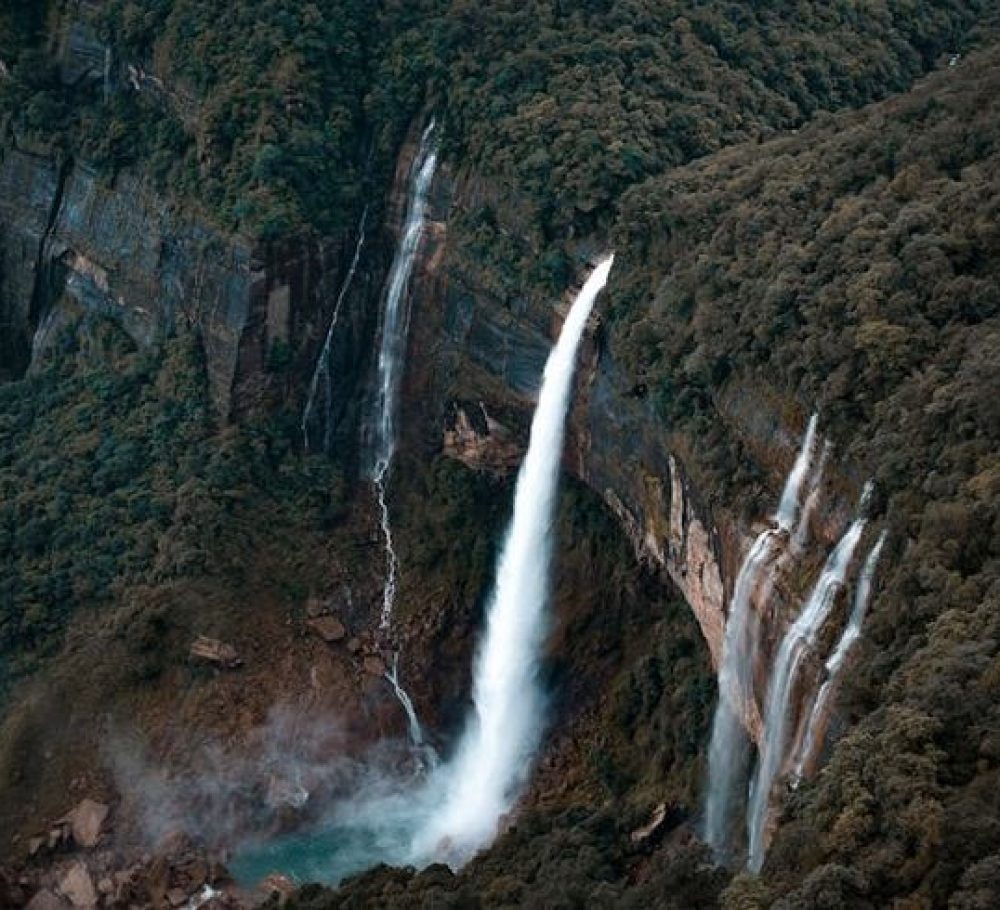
{"points": [[852, 632], [413, 722], [800, 637], [494, 756], [729, 747], [322, 367], [389, 371], [801, 532], [395, 311], [788, 506]]}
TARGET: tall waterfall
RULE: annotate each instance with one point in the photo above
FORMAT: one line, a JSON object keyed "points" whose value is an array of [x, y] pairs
{"points": [[799, 639], [322, 368], [389, 372], [495, 754], [816, 723], [396, 313], [729, 748]]}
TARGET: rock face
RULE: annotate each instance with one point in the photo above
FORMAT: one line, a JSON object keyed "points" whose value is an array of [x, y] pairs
{"points": [[29, 191], [494, 351], [478, 440], [70, 242]]}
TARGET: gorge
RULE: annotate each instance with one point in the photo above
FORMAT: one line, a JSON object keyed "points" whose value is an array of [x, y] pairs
{"points": [[281, 291]]}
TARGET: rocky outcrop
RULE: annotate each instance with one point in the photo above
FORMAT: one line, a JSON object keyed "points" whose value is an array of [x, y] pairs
{"points": [[70, 242], [77, 886], [30, 187], [480, 441], [86, 822]]}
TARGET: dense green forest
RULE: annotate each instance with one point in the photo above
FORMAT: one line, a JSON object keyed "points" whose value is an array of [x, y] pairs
{"points": [[114, 474], [276, 117], [852, 268], [792, 217]]}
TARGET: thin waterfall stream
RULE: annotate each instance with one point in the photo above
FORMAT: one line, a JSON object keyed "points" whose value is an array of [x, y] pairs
{"points": [[323, 367], [389, 372]]}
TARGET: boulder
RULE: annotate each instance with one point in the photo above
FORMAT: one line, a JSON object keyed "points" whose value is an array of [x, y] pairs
{"points": [[78, 887], [86, 822], [280, 885], [46, 900], [213, 651], [654, 824], [329, 628]]}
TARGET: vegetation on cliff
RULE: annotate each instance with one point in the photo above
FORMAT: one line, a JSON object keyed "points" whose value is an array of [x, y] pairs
{"points": [[113, 474], [280, 116], [852, 268]]}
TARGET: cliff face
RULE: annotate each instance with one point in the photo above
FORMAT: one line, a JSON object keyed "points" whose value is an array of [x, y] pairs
{"points": [[71, 243], [474, 367]]}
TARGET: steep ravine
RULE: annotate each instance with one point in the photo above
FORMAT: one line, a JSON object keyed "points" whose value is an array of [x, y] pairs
{"points": [[475, 355], [473, 368]]}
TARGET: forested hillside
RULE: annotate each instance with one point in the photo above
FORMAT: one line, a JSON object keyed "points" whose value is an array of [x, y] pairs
{"points": [[279, 116], [804, 203], [853, 267]]}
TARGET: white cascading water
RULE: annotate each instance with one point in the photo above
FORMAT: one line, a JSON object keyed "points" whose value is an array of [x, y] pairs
{"points": [[322, 368], [851, 633], [494, 757], [729, 747], [389, 372], [392, 352], [791, 496], [395, 311], [413, 723], [799, 639], [801, 534]]}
